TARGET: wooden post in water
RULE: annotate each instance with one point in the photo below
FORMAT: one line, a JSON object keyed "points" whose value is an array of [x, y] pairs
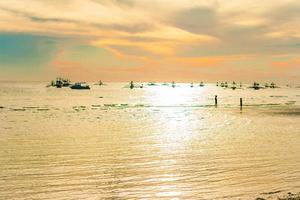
{"points": [[241, 102], [216, 100]]}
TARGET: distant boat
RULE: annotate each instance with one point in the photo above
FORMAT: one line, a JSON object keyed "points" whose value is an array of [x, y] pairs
{"points": [[100, 83], [66, 83], [151, 84], [60, 82], [273, 85], [201, 84], [233, 85], [226, 84], [256, 86], [80, 86], [192, 85], [133, 85]]}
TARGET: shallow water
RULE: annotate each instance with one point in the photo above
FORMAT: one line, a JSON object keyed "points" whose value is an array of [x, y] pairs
{"points": [[156, 142]]}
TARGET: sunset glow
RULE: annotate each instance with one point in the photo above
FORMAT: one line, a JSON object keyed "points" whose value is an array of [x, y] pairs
{"points": [[141, 40]]}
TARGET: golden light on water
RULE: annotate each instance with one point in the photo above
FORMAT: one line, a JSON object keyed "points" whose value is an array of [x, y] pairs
{"points": [[182, 94]]}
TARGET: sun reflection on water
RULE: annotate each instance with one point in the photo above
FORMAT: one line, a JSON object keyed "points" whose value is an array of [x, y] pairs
{"points": [[166, 96], [176, 119]]}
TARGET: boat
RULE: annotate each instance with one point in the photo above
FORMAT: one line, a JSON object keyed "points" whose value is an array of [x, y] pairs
{"points": [[273, 85], [256, 86], [66, 83], [133, 85], [151, 84], [226, 85], [100, 83], [60, 82], [201, 84], [233, 87], [80, 86]]}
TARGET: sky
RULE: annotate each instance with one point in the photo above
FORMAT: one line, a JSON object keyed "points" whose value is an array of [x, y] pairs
{"points": [[150, 40]]}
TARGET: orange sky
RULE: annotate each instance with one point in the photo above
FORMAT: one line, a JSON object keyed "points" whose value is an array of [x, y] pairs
{"points": [[157, 40]]}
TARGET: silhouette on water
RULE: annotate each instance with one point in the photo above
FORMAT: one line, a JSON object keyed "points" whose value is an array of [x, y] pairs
{"points": [[131, 85], [80, 86]]}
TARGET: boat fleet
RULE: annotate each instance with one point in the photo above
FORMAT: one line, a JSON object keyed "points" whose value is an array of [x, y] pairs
{"points": [[63, 82], [257, 86]]}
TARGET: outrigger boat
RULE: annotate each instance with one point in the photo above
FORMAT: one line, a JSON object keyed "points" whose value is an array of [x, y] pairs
{"points": [[256, 86], [132, 85], [273, 85], [100, 83], [151, 84], [233, 85], [226, 85], [80, 86], [60, 82]]}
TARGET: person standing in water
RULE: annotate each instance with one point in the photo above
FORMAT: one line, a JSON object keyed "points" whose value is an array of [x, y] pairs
{"points": [[131, 85], [173, 84]]}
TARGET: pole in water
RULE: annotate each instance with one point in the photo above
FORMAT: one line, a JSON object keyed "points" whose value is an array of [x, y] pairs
{"points": [[241, 102], [216, 100]]}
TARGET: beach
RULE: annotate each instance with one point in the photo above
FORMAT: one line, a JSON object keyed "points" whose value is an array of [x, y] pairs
{"points": [[155, 142]]}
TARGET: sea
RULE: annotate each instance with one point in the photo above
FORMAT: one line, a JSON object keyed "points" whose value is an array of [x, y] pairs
{"points": [[154, 142]]}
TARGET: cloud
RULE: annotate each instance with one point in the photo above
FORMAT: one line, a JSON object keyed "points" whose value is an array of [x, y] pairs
{"points": [[171, 34], [129, 28], [201, 20], [129, 3]]}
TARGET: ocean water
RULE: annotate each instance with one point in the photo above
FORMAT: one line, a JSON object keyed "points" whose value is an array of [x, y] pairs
{"points": [[158, 142]]}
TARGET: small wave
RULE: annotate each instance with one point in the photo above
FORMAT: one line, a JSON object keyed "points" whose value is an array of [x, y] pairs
{"points": [[274, 192], [110, 105], [30, 107], [43, 109], [290, 103], [97, 105], [277, 96], [18, 109]]}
